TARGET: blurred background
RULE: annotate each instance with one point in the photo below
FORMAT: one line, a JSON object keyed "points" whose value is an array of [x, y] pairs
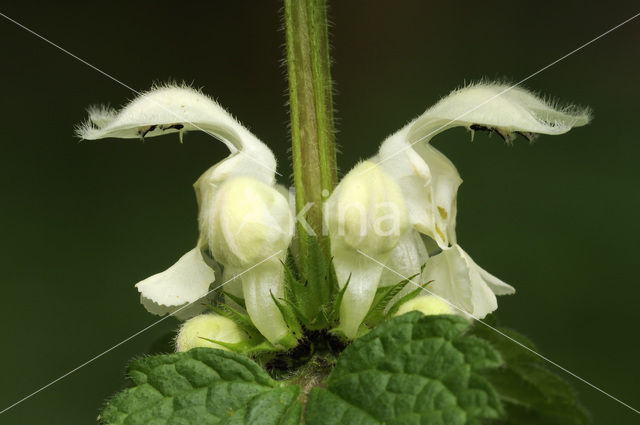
{"points": [[80, 223]]}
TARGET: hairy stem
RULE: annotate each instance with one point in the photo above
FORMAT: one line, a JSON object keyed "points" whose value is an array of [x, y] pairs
{"points": [[311, 107]]}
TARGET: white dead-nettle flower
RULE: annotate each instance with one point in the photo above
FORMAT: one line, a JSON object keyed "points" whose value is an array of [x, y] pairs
{"points": [[244, 221], [201, 330], [429, 182], [250, 222], [385, 218]]}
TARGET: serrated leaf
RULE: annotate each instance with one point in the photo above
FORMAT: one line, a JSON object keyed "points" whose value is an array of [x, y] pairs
{"points": [[413, 369], [511, 351], [478, 353], [531, 393], [201, 387]]}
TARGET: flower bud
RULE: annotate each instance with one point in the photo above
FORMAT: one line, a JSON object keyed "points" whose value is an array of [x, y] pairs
{"points": [[427, 305], [209, 326]]}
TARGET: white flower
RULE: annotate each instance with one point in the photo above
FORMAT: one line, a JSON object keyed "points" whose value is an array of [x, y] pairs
{"points": [[249, 231], [243, 220], [385, 218], [429, 183], [196, 331], [365, 214], [428, 179]]}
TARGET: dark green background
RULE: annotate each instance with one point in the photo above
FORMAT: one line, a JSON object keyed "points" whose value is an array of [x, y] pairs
{"points": [[80, 223]]}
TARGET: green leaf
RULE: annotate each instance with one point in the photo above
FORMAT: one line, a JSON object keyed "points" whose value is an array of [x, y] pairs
{"points": [[411, 295], [334, 315], [292, 266], [318, 287], [289, 316], [310, 297], [294, 291], [242, 320], [235, 299], [531, 393], [201, 387], [413, 369], [381, 300]]}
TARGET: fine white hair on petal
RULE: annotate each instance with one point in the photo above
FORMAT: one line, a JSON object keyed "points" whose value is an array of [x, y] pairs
{"points": [[502, 108], [429, 181], [162, 105], [99, 116], [172, 108]]}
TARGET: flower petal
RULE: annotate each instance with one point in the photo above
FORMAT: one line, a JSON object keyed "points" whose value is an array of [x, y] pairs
{"points": [[246, 222], [258, 283], [500, 107], [450, 278], [232, 283], [429, 181], [497, 286], [406, 259], [459, 280], [184, 312], [185, 282], [170, 109], [366, 210], [429, 184], [363, 274]]}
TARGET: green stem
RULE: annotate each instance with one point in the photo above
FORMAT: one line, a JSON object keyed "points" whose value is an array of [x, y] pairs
{"points": [[311, 106]]}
